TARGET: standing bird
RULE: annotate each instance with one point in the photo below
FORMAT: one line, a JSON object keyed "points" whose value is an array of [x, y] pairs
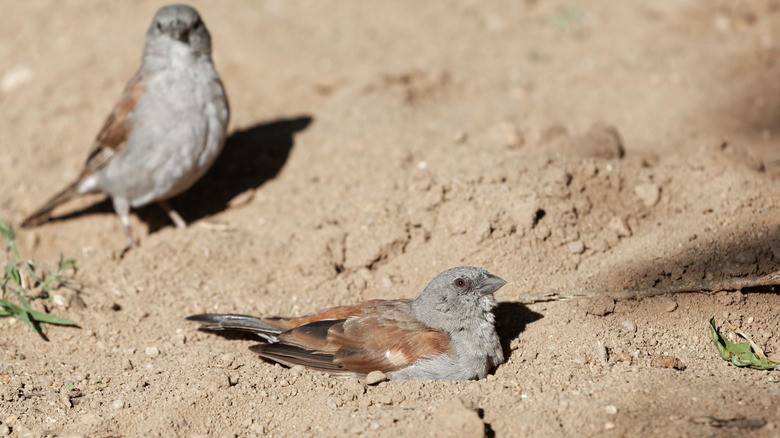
{"points": [[167, 128], [446, 333]]}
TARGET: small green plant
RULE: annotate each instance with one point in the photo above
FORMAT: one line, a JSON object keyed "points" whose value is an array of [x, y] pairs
{"points": [[742, 354], [20, 277]]}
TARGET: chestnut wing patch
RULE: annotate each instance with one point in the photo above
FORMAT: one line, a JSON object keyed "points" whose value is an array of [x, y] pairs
{"points": [[380, 344], [337, 313], [112, 138], [357, 345]]}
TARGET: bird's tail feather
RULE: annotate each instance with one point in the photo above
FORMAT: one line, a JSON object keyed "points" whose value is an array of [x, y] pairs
{"points": [[246, 323], [42, 214]]}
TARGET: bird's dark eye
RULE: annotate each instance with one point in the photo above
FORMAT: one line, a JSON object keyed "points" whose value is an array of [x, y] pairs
{"points": [[197, 24], [460, 282]]}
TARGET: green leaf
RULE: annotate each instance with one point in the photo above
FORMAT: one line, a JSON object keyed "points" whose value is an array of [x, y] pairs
{"points": [[28, 316], [51, 319], [26, 319], [740, 354], [18, 293], [13, 307]]}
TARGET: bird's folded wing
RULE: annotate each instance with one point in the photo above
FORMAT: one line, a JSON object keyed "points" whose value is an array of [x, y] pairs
{"points": [[112, 138], [290, 355], [376, 343], [358, 345], [334, 313]]}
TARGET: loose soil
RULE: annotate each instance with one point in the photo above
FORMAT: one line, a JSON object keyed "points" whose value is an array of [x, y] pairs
{"points": [[589, 148]]}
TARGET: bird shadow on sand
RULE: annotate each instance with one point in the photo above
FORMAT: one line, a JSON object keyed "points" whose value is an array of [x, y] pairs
{"points": [[511, 320], [251, 157]]}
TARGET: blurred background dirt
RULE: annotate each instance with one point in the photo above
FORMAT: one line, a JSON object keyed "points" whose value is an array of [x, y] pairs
{"points": [[568, 147]]}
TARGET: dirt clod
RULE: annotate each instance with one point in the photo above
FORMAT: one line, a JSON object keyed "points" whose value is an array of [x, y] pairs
{"points": [[453, 418], [667, 362]]}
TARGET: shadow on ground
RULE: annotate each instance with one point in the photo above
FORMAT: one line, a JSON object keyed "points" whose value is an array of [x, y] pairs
{"points": [[511, 320], [708, 264], [251, 157]]}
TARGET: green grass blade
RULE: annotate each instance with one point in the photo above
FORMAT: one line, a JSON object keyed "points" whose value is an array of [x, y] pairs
{"points": [[13, 307], [26, 319], [51, 319]]}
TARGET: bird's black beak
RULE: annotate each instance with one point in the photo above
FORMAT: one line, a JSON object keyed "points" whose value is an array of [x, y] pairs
{"points": [[490, 284], [180, 32]]}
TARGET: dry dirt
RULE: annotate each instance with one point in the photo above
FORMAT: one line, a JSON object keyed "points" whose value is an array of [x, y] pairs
{"points": [[582, 147]]}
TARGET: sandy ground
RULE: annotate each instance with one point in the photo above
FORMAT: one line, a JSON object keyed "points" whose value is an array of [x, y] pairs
{"points": [[583, 147]]}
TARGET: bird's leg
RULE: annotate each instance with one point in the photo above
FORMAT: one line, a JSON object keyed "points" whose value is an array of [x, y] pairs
{"points": [[180, 223], [122, 208]]}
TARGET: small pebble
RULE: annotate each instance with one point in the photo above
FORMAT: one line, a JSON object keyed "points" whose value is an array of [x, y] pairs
{"points": [[60, 300], [152, 352], [576, 247], [15, 77], [375, 377], [629, 326], [668, 362], [745, 257], [601, 352], [505, 135], [620, 226], [611, 409], [226, 360], [386, 281], [118, 404], [600, 306], [90, 418], [648, 193], [609, 425]]}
